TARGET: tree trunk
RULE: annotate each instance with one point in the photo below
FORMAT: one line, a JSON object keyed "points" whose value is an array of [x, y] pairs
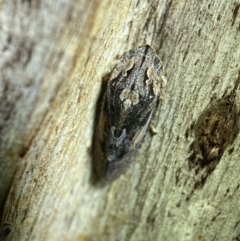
{"points": [[183, 184]]}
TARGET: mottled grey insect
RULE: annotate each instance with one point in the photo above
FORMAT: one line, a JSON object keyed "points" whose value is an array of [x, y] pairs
{"points": [[129, 103]]}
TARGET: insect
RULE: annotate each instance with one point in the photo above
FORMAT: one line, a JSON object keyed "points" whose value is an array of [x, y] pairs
{"points": [[129, 103]]}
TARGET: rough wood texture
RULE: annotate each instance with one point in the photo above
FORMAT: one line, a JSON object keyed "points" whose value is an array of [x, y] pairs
{"points": [[54, 55]]}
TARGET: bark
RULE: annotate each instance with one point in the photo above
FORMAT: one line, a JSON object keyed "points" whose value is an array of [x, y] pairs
{"points": [[184, 183]]}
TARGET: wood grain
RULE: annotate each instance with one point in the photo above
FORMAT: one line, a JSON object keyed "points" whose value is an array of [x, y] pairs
{"points": [[54, 57]]}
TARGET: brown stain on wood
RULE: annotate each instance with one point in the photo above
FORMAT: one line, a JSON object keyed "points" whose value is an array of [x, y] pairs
{"points": [[216, 128]]}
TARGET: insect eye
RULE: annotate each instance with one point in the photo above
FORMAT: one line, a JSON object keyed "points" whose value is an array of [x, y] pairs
{"points": [[128, 69], [147, 80], [128, 72]]}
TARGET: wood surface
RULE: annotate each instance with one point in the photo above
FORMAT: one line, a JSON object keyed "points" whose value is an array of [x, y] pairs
{"points": [[54, 56]]}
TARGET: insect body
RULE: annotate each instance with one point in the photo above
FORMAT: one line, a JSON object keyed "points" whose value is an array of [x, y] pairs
{"points": [[130, 102]]}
